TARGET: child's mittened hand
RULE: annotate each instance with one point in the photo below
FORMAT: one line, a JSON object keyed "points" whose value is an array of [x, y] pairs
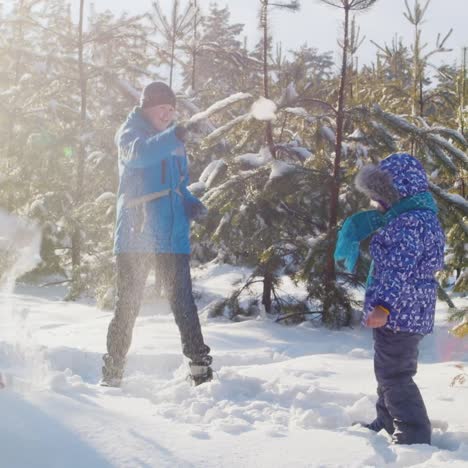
{"points": [[377, 318]]}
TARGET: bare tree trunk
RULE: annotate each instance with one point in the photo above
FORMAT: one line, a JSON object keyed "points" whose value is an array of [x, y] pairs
{"points": [[172, 63], [421, 98], [267, 290], [265, 53], [356, 82], [9, 154], [416, 65], [194, 47], [10, 139], [20, 41], [462, 122], [266, 86], [194, 68], [267, 276], [462, 93], [173, 41], [79, 182], [417, 82], [330, 272]]}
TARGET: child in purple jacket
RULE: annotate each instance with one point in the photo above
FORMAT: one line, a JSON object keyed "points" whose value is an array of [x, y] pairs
{"points": [[407, 249]]}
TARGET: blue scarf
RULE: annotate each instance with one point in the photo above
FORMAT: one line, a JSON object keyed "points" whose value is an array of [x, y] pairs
{"points": [[360, 226]]}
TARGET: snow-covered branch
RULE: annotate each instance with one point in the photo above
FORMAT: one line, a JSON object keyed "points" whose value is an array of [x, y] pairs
{"points": [[219, 106], [220, 132], [453, 199]]}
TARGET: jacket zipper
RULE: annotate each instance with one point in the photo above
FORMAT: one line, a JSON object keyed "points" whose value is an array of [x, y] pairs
{"points": [[171, 196], [163, 171]]}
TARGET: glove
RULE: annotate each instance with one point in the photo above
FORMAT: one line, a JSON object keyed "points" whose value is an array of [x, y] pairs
{"points": [[188, 131], [195, 210]]}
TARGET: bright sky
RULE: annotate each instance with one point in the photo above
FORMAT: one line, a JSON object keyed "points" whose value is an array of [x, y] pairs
{"points": [[318, 25]]}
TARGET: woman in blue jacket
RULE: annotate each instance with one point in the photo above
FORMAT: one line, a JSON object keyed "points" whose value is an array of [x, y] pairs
{"points": [[407, 249], [154, 208]]}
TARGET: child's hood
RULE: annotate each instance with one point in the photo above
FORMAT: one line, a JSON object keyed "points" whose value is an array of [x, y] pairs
{"points": [[397, 176]]}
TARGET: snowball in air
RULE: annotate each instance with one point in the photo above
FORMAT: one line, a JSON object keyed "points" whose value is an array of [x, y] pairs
{"points": [[263, 109]]}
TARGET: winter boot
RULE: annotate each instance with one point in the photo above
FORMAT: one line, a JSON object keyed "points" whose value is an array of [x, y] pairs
{"points": [[375, 425], [112, 373], [200, 373]]}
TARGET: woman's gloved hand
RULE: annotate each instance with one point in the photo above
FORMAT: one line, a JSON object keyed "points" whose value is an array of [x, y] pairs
{"points": [[195, 210], [188, 132]]}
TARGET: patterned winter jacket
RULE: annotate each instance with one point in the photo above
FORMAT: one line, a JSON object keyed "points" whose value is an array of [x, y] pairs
{"points": [[406, 253]]}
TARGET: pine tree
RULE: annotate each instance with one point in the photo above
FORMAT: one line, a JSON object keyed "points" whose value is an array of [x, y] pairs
{"points": [[194, 45], [332, 315], [420, 58], [48, 102], [270, 212], [94, 206], [40, 157], [19, 87], [173, 30], [265, 26], [223, 62], [308, 69]]}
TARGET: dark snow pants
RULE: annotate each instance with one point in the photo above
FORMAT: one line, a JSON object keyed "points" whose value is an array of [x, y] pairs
{"points": [[400, 407], [174, 271]]}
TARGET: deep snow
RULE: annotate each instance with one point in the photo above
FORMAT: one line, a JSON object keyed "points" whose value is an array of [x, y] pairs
{"points": [[282, 396]]}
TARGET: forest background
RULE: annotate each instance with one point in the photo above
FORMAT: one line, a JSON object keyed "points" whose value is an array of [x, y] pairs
{"points": [[284, 130]]}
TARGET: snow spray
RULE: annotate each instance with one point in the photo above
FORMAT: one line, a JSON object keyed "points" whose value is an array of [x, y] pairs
{"points": [[22, 363]]}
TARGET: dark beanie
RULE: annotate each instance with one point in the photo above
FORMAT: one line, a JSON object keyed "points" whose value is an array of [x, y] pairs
{"points": [[157, 94]]}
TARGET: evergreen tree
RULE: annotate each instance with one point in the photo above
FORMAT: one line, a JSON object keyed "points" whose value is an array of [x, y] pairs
{"points": [[173, 30], [265, 6], [223, 62], [44, 157], [274, 211], [332, 313], [308, 69]]}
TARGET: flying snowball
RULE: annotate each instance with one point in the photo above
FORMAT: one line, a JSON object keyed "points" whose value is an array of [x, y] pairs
{"points": [[263, 109]]}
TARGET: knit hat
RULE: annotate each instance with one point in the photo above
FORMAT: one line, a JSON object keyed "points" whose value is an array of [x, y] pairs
{"points": [[157, 94]]}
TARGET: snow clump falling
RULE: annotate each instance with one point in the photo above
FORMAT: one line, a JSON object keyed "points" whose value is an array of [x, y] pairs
{"points": [[22, 364], [264, 109]]}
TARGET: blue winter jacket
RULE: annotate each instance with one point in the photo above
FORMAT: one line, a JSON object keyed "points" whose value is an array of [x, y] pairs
{"points": [[407, 252], [155, 165]]}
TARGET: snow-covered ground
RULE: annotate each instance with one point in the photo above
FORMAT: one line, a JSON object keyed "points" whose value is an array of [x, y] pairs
{"points": [[282, 396]]}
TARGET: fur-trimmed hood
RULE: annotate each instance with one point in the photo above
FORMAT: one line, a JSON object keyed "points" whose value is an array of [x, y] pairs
{"points": [[397, 176]]}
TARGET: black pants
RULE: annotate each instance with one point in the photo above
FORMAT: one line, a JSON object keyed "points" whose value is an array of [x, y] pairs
{"points": [[400, 407], [174, 271]]}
